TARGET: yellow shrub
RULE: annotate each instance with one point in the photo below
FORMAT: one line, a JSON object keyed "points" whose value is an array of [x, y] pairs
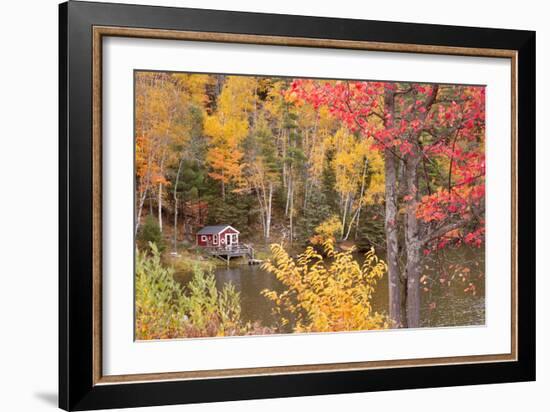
{"points": [[326, 296], [327, 230]]}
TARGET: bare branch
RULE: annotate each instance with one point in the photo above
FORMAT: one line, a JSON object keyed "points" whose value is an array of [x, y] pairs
{"points": [[442, 230]]}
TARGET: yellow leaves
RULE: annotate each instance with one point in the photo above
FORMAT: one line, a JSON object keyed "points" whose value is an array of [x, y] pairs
{"points": [[237, 96], [291, 97], [376, 189], [194, 85], [225, 131], [163, 102], [160, 179], [228, 127], [276, 98], [351, 153], [326, 295], [349, 160], [226, 164], [327, 230]]}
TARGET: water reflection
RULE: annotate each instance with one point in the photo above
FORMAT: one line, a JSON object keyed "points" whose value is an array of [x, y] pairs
{"points": [[442, 305]]}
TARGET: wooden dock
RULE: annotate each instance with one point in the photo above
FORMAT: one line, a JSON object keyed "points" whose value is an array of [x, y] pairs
{"points": [[226, 253]]}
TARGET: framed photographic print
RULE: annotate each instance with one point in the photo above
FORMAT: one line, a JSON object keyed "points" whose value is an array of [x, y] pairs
{"points": [[257, 205]]}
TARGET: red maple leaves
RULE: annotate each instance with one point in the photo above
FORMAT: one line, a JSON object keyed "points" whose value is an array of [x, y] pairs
{"points": [[439, 127]]}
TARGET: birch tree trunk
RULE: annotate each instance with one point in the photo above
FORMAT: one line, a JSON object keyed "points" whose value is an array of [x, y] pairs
{"points": [[176, 206], [291, 210], [263, 219], [223, 185], [268, 217], [160, 206], [159, 202], [360, 205], [350, 224], [140, 208], [288, 193], [283, 155], [265, 196], [344, 215], [147, 183]]}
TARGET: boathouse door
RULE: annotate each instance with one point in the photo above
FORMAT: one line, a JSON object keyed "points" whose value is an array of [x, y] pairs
{"points": [[231, 239]]}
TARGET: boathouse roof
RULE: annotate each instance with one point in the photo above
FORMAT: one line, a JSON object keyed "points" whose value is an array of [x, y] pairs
{"points": [[212, 230]]}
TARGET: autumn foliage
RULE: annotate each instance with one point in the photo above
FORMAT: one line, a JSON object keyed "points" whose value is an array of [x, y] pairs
{"points": [[432, 139], [326, 296], [399, 166], [444, 126], [166, 310]]}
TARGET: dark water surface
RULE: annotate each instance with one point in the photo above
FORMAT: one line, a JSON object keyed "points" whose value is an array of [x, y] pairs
{"points": [[441, 305]]}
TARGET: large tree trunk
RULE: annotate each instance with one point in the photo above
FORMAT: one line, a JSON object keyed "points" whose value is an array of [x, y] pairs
{"points": [[394, 281], [413, 284], [394, 277], [413, 243], [412, 229]]}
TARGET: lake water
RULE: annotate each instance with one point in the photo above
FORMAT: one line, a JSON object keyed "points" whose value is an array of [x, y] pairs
{"points": [[441, 305]]}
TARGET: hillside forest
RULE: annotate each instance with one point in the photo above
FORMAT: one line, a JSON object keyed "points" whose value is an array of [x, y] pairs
{"points": [[336, 184]]}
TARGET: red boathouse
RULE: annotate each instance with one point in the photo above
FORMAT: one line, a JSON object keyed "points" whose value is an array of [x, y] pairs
{"points": [[219, 236]]}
